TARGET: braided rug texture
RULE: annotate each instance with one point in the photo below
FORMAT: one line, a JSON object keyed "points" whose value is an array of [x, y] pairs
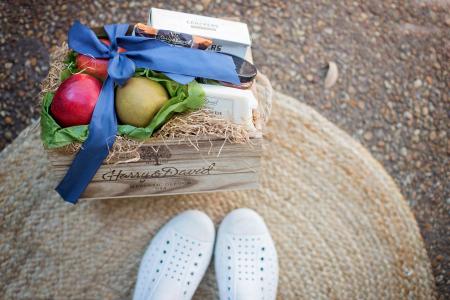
{"points": [[341, 227]]}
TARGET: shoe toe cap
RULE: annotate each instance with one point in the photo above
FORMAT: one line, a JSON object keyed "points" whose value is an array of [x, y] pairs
{"points": [[244, 221], [194, 224]]}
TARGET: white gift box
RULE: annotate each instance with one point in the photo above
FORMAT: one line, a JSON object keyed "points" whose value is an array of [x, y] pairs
{"points": [[227, 36]]}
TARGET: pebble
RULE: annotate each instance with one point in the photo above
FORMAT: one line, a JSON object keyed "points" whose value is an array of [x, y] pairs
{"points": [[328, 30], [432, 135], [403, 151], [407, 115], [206, 3], [8, 135], [8, 65], [368, 136], [8, 120], [417, 83]]}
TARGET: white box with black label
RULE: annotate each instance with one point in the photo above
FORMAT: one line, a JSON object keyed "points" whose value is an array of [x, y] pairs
{"points": [[227, 36]]}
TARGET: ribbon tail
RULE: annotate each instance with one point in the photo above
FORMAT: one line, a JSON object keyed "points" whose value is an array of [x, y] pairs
{"points": [[102, 134], [181, 79]]}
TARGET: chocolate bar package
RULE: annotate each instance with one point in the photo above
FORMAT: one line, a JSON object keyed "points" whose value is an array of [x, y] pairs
{"points": [[171, 37]]}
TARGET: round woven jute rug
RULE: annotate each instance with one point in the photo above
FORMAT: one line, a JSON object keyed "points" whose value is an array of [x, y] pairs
{"points": [[341, 227]]}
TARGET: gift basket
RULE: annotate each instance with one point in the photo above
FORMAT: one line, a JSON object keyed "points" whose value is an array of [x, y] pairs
{"points": [[167, 107]]}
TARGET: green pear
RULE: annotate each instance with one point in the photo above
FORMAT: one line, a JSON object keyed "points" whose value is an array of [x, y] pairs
{"points": [[139, 100]]}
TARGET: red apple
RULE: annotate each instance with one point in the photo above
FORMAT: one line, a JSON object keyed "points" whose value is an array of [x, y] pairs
{"points": [[75, 100], [97, 67]]}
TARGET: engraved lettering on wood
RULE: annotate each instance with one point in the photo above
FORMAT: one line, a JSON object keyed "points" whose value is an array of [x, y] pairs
{"points": [[125, 175], [174, 167]]}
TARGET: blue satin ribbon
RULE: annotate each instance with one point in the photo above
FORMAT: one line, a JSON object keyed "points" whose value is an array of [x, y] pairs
{"points": [[178, 63]]}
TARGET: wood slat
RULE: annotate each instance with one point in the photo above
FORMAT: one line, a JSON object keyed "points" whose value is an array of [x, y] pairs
{"points": [[175, 167]]}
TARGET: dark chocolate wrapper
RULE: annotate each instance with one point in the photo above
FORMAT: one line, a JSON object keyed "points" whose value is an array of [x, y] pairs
{"points": [[171, 37]]}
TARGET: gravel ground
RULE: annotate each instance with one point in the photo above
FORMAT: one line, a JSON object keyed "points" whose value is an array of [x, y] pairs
{"points": [[392, 93]]}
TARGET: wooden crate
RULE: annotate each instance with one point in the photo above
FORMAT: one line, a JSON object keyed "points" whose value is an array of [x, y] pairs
{"points": [[173, 167], [180, 166]]}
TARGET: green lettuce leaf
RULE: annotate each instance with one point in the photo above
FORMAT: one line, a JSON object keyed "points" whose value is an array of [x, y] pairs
{"points": [[182, 98]]}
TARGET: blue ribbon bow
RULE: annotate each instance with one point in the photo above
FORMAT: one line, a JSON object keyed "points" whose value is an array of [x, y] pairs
{"points": [[179, 64]]}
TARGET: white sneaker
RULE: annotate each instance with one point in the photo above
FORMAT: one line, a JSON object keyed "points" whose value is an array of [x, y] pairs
{"points": [[245, 258], [177, 258]]}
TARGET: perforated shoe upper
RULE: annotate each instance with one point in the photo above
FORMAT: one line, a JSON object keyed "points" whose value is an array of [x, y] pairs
{"points": [[245, 258], [177, 258]]}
